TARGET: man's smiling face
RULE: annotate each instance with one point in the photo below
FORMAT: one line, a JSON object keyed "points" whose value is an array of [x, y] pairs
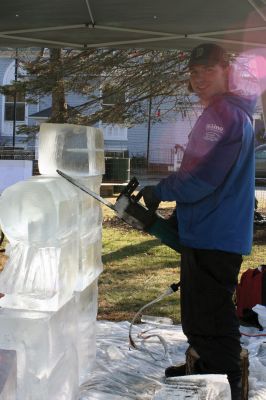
{"points": [[208, 81]]}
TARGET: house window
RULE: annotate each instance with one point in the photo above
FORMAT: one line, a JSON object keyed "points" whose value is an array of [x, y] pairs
{"points": [[20, 107]]}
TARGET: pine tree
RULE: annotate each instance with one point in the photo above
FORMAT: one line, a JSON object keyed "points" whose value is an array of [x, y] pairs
{"points": [[116, 86]]}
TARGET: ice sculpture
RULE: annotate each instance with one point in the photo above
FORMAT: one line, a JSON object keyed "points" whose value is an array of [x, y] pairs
{"points": [[49, 308]]}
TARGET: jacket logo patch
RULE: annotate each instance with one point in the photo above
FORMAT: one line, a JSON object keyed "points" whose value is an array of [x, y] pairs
{"points": [[213, 132]]}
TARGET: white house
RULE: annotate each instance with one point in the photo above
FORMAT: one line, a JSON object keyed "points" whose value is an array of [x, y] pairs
{"points": [[156, 141]]}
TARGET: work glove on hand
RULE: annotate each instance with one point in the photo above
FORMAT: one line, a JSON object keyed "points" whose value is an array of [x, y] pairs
{"points": [[150, 199]]}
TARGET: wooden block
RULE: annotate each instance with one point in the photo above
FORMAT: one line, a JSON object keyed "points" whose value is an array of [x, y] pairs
{"points": [[244, 370], [191, 357]]}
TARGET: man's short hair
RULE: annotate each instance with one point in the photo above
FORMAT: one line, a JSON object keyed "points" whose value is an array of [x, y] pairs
{"points": [[208, 54]]}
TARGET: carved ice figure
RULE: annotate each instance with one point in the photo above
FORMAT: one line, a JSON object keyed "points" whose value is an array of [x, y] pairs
{"points": [[50, 280]]}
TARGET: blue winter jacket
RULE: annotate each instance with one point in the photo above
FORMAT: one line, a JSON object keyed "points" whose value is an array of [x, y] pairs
{"points": [[214, 187]]}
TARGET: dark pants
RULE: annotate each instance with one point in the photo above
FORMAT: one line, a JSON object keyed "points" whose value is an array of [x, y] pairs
{"points": [[208, 281]]}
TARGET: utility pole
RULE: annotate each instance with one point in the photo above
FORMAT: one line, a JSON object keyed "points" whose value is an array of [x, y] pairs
{"points": [[15, 101], [149, 130]]}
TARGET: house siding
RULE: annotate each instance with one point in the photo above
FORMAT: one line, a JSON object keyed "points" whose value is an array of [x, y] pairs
{"points": [[163, 138]]}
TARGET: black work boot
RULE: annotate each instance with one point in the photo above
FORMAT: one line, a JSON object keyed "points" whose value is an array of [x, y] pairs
{"points": [[190, 367], [175, 370]]}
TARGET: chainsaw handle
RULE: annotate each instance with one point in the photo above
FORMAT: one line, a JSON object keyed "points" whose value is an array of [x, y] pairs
{"points": [[138, 196], [148, 198]]}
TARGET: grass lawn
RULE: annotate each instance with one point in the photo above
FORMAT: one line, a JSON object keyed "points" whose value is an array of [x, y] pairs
{"points": [[137, 269]]}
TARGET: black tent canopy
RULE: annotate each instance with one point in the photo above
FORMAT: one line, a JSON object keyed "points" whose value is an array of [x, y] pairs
{"points": [[237, 24]]}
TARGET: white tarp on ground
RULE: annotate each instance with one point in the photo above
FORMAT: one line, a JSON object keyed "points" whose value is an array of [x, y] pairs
{"points": [[121, 373]]}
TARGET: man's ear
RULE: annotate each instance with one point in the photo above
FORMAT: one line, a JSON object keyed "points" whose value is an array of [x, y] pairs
{"points": [[189, 87]]}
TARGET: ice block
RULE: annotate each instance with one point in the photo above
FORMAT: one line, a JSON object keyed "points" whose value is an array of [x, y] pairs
{"points": [[47, 363], [90, 238], [90, 265], [62, 382], [8, 375], [40, 218], [74, 149], [87, 306], [41, 210], [90, 210]]}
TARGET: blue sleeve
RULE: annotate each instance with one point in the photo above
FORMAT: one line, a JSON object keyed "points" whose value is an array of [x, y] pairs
{"points": [[213, 148]]}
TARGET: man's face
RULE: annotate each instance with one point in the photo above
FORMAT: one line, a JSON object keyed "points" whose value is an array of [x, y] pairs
{"points": [[208, 81]]}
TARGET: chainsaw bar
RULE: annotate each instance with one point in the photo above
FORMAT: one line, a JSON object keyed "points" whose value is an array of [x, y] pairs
{"points": [[86, 190]]}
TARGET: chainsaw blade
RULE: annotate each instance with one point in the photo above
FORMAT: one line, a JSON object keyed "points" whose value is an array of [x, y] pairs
{"points": [[86, 190]]}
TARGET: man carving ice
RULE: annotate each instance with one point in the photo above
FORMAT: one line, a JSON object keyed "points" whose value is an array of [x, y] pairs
{"points": [[214, 192]]}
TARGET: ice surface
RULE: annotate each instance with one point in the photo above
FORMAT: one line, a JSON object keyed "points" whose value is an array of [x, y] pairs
{"points": [[90, 211], [40, 219], [90, 238], [62, 382], [90, 265], [8, 375], [74, 149], [42, 279], [41, 210], [47, 364], [87, 306]]}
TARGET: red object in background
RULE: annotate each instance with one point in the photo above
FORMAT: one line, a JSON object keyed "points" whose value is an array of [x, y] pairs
{"points": [[251, 290]]}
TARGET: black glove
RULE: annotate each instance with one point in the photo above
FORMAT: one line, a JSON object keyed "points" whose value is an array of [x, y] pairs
{"points": [[150, 199]]}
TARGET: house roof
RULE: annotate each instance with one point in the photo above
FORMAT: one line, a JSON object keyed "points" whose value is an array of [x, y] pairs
{"points": [[83, 24], [45, 113]]}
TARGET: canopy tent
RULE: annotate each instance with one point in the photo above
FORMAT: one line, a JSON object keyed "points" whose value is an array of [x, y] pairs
{"points": [[237, 24]]}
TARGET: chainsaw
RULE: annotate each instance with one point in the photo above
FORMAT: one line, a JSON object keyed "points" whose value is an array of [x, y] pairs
{"points": [[128, 208]]}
